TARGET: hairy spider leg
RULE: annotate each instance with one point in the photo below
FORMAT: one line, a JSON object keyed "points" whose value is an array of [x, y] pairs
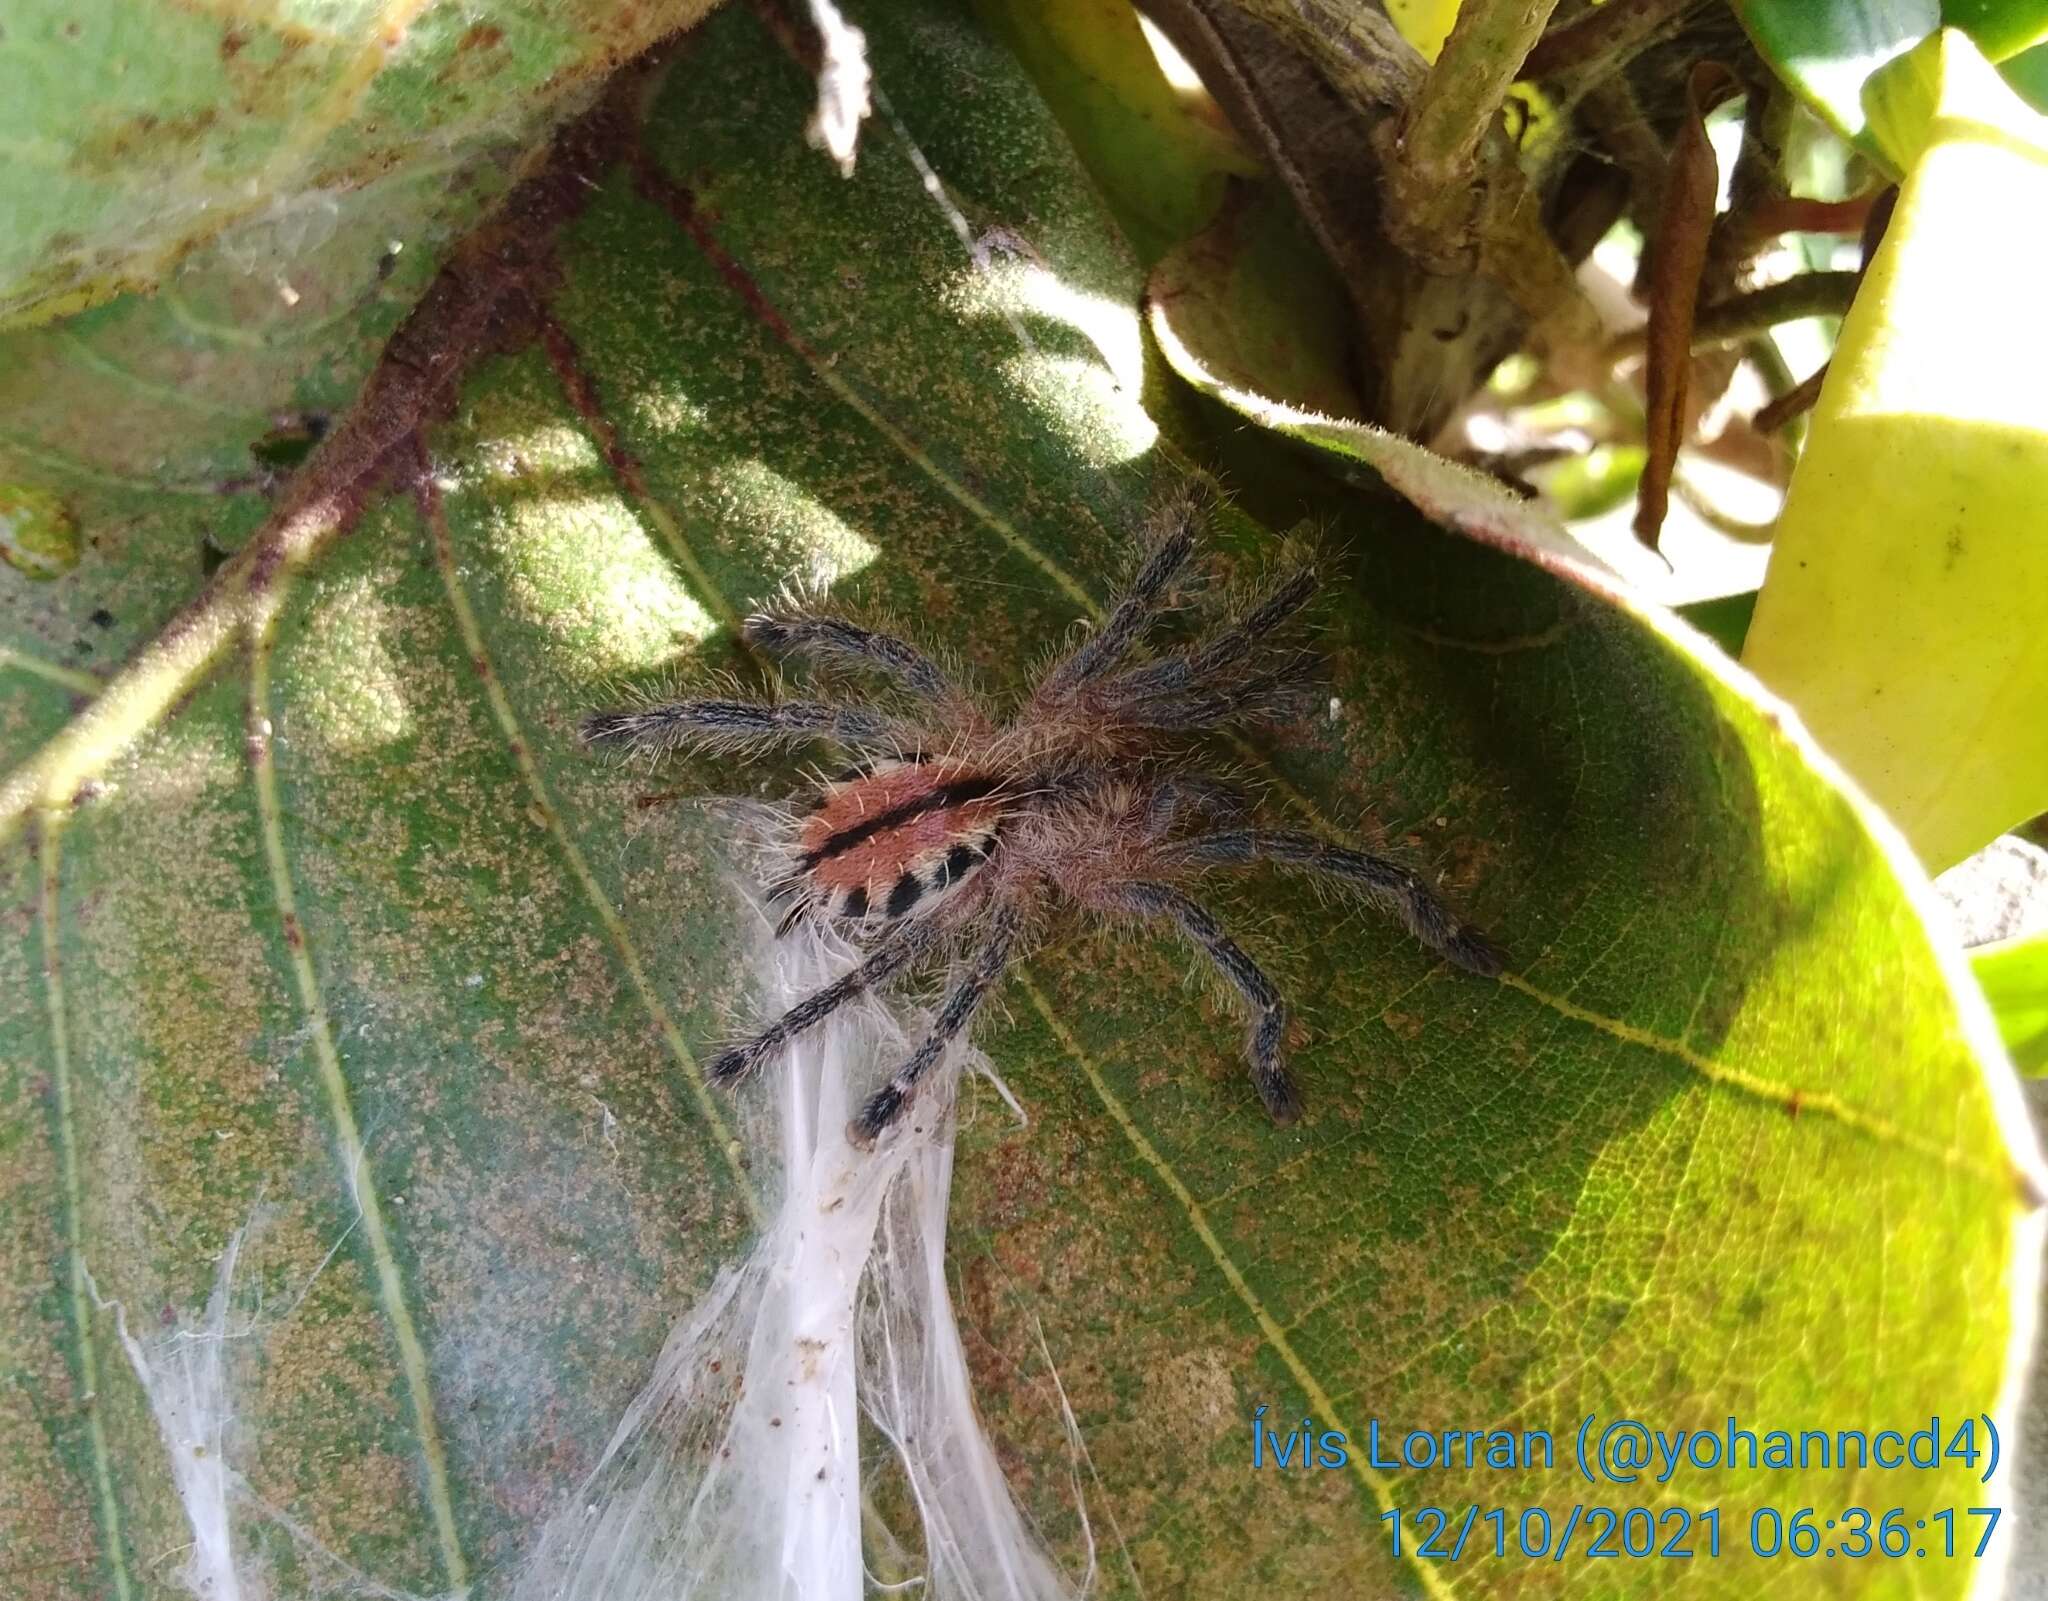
{"points": [[730, 724], [1187, 668], [1387, 884], [955, 1013], [883, 963], [1225, 680], [834, 639], [1181, 795], [1107, 645], [1268, 1014], [1274, 693]]}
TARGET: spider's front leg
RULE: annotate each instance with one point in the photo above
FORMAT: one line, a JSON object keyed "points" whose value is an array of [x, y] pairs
{"points": [[735, 724], [884, 962], [1140, 603], [1268, 1015], [1386, 883], [836, 641], [1227, 650]]}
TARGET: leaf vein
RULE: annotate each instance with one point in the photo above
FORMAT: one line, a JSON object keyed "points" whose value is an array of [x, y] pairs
{"points": [[520, 749], [580, 389], [341, 1110], [1374, 1483], [1793, 1101], [49, 836], [681, 206], [75, 679]]}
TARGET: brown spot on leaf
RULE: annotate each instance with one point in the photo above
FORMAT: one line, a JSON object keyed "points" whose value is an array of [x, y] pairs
{"points": [[1406, 1024]]}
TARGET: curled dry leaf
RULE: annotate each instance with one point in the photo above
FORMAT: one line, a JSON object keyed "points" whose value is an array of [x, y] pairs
{"points": [[1678, 256]]}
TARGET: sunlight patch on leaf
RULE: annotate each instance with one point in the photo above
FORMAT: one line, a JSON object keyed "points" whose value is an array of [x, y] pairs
{"points": [[640, 612], [366, 707], [1034, 291], [821, 546], [1085, 395], [666, 409], [175, 768]]}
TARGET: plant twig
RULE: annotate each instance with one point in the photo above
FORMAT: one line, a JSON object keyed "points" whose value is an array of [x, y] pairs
{"points": [[1722, 521], [1456, 199], [1794, 215], [475, 304], [1434, 172], [1611, 111], [1756, 185], [1357, 49], [1730, 321], [1768, 362], [1604, 35], [1791, 403]]}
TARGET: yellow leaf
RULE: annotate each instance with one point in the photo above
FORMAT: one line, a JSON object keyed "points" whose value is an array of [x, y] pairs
{"points": [[1904, 608], [1424, 23]]}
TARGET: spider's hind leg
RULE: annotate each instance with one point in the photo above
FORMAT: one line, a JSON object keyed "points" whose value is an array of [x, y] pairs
{"points": [[955, 1013], [1268, 1013], [1182, 797]]}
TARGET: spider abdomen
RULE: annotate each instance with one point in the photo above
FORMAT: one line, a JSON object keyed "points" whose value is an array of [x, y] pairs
{"points": [[897, 837]]}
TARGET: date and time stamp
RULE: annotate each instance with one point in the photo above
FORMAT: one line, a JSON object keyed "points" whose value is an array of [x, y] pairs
{"points": [[1681, 1534], [1666, 1524]]}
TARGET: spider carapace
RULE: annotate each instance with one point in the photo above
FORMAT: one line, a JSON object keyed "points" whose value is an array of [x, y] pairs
{"points": [[962, 832]]}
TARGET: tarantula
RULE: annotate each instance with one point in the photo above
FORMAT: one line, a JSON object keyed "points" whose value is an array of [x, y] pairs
{"points": [[953, 820]]}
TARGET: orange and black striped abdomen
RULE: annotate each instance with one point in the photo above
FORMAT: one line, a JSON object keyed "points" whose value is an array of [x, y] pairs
{"points": [[884, 842]]}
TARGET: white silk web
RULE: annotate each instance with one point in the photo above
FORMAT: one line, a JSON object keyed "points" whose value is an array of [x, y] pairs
{"points": [[736, 1474]]}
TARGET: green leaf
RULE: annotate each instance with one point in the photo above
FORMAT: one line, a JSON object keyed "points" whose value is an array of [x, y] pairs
{"points": [[2027, 72], [323, 916], [2000, 28], [1901, 614], [1829, 50], [136, 133], [1724, 620], [2014, 974]]}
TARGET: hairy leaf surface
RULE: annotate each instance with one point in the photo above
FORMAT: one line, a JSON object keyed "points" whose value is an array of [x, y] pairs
{"points": [[348, 936]]}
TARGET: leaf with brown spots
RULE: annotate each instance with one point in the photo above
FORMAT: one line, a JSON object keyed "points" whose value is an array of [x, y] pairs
{"points": [[289, 144]]}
